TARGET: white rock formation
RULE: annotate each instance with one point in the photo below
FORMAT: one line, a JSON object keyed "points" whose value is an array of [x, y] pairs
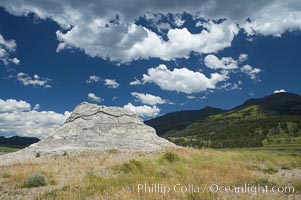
{"points": [[98, 127]]}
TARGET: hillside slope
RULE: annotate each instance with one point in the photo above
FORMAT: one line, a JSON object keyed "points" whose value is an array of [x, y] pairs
{"points": [[181, 119], [282, 103], [246, 127], [249, 125]]}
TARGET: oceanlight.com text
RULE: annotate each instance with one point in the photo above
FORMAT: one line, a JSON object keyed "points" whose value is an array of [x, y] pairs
{"points": [[214, 188]]}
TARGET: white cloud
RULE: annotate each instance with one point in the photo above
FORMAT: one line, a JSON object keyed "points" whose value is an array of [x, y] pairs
{"points": [[242, 57], [95, 28], [250, 71], [93, 79], [35, 81], [231, 65], [16, 61], [181, 42], [232, 86], [8, 47], [111, 83], [148, 98], [183, 79], [16, 117], [275, 19], [143, 111], [136, 82], [279, 91], [12, 105], [213, 62], [36, 107], [93, 97], [97, 31], [178, 20], [190, 97]]}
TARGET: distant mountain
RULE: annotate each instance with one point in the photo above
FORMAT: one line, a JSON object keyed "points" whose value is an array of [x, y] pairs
{"points": [[181, 119], [282, 103], [17, 141], [254, 122]]}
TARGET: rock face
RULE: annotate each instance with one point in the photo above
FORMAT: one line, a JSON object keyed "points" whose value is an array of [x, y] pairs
{"points": [[98, 127]]}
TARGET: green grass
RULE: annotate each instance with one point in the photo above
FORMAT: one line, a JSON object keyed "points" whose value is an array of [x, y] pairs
{"points": [[4, 150], [251, 112], [284, 145], [276, 149]]}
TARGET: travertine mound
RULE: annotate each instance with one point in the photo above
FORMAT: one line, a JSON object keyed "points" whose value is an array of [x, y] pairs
{"points": [[98, 127]]}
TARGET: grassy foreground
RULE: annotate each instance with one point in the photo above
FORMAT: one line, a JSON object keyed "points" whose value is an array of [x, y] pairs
{"points": [[117, 175]]}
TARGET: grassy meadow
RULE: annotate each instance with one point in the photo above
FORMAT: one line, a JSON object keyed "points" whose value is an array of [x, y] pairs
{"points": [[4, 149], [116, 175]]}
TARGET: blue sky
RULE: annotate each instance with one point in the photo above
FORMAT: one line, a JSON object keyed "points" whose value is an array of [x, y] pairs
{"points": [[152, 58]]}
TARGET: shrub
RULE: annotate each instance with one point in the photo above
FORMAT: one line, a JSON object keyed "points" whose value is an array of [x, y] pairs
{"points": [[6, 175], [270, 168], [113, 151], [170, 157], [35, 180], [163, 172], [133, 166]]}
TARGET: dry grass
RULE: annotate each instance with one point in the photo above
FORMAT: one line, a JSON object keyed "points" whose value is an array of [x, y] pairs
{"points": [[116, 175]]}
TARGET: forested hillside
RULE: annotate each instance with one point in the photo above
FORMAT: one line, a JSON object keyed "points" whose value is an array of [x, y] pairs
{"points": [[273, 119]]}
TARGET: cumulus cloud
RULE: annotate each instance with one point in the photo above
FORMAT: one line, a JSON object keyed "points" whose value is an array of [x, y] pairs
{"points": [[279, 91], [93, 97], [8, 47], [111, 83], [214, 62], [252, 72], [16, 117], [143, 111], [231, 65], [148, 99], [137, 42], [275, 19], [120, 38], [93, 79], [187, 81], [12, 105], [182, 79], [35, 81], [109, 29]]}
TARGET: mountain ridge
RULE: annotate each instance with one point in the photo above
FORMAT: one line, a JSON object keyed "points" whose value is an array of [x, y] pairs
{"points": [[246, 125], [180, 119], [17, 141], [282, 103]]}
